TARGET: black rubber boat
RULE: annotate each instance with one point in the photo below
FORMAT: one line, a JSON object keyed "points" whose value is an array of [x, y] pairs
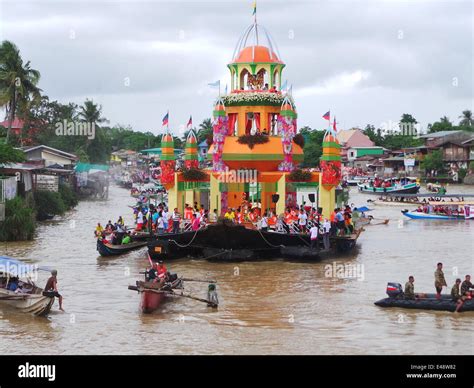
{"points": [[114, 250], [422, 302], [226, 241]]}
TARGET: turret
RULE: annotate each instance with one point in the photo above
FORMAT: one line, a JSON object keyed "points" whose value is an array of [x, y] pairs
{"points": [[168, 161], [191, 151]]}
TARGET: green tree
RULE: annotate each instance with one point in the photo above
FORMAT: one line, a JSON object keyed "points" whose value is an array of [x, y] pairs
{"points": [[442, 125], [205, 130], [466, 119], [312, 147], [8, 154], [374, 134], [18, 81], [433, 161]]}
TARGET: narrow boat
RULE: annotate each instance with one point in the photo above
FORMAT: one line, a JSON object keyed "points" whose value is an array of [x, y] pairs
{"points": [[422, 301], [390, 186], [442, 211], [113, 250], [27, 297]]}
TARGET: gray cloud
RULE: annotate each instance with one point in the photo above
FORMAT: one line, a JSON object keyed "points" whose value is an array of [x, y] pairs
{"points": [[367, 61]]}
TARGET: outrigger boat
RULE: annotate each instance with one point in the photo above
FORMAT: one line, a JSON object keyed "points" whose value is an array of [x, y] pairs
{"points": [[233, 242], [442, 211], [27, 297], [153, 295], [392, 185], [396, 298]]}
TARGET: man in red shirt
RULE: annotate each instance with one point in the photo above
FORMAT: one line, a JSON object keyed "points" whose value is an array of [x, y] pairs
{"points": [[51, 288]]}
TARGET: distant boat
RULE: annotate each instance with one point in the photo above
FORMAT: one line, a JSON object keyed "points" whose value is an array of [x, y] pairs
{"points": [[31, 299], [410, 187], [354, 181], [450, 211]]}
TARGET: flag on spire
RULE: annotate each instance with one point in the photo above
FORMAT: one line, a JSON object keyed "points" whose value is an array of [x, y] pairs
{"points": [[327, 116], [216, 84], [165, 119], [190, 122], [254, 7], [334, 125]]}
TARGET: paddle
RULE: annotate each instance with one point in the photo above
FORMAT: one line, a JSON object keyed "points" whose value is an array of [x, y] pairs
{"points": [[198, 280]]}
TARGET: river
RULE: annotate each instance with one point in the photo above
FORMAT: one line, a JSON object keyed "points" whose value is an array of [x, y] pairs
{"points": [[272, 307]]}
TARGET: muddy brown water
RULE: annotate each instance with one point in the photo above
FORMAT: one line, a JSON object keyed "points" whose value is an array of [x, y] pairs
{"points": [[271, 307]]}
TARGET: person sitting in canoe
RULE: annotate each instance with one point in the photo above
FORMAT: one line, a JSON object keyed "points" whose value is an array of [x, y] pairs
{"points": [[98, 229], [51, 288], [456, 295], [127, 239], [440, 281], [410, 288], [466, 286]]}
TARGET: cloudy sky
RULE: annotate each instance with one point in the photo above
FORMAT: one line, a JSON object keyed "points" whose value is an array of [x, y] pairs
{"points": [[366, 61]]}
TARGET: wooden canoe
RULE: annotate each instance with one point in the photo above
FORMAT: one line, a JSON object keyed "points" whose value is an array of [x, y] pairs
{"points": [[114, 250]]}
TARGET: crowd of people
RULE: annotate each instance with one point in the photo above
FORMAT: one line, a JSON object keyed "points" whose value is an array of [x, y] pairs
{"points": [[460, 291], [158, 219]]}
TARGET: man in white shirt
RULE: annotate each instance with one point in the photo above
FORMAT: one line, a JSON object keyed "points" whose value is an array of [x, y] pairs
{"points": [[264, 222], [166, 216], [326, 233], [139, 220], [213, 216], [313, 232], [302, 218]]}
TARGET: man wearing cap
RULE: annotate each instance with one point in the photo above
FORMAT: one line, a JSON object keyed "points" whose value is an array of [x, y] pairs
{"points": [[51, 288]]}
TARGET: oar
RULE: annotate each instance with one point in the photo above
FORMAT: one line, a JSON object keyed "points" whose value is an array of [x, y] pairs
{"points": [[198, 280], [212, 304]]}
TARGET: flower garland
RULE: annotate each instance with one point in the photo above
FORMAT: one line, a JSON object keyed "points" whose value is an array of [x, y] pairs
{"points": [[287, 130], [219, 129], [253, 98], [331, 170]]}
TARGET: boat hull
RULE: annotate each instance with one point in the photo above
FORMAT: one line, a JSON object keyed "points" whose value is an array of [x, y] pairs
{"points": [[150, 301], [36, 304], [428, 303], [229, 242], [114, 250], [425, 216]]}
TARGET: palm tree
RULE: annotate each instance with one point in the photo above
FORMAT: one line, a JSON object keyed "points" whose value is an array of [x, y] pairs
{"points": [[205, 129], [17, 81], [91, 113], [444, 120], [466, 119]]}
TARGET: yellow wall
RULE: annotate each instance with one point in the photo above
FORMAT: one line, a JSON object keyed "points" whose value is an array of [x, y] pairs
{"points": [[215, 195]]}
